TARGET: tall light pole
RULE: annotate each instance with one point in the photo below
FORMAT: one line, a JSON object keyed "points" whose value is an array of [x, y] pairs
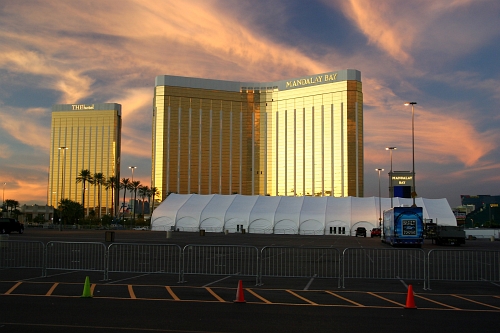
{"points": [[413, 192], [64, 168], [379, 199], [391, 189], [133, 204], [132, 168], [3, 194]]}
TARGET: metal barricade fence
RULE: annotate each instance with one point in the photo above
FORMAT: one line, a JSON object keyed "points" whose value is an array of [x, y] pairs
{"points": [[75, 256], [220, 260], [283, 261], [143, 258], [369, 263], [21, 254], [463, 265]]}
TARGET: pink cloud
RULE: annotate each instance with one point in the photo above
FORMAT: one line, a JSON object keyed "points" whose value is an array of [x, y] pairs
{"points": [[438, 137]]}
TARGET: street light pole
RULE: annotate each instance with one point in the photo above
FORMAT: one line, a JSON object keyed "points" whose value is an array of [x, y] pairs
{"points": [[379, 199], [3, 194], [132, 168], [413, 192], [391, 189], [64, 168]]}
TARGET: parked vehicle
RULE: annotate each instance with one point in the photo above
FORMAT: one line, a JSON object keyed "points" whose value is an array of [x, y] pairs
{"points": [[445, 234], [8, 225], [403, 226], [140, 228], [361, 231], [376, 232]]}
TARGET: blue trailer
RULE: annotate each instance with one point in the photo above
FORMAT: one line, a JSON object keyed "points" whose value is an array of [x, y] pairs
{"points": [[403, 226]]}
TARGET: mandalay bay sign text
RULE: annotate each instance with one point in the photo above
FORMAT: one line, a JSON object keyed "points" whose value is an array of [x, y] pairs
{"points": [[308, 81]]}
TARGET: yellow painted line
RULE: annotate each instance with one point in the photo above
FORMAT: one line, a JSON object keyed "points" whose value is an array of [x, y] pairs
{"points": [[258, 296], [171, 292], [13, 288], [51, 290], [215, 295], [386, 299], [439, 303], [473, 301], [131, 291], [345, 299], [302, 298]]}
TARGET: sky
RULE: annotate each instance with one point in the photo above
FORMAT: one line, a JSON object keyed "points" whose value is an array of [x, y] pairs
{"points": [[442, 54]]}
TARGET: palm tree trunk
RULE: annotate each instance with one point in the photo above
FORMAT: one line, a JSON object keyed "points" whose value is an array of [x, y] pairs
{"points": [[112, 200], [133, 204], [83, 199], [123, 214], [99, 201]]}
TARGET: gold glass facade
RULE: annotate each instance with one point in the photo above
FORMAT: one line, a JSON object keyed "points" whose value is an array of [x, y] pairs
{"points": [[91, 135], [297, 137]]}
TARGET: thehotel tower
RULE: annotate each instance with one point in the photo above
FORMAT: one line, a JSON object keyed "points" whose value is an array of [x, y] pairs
{"points": [[302, 136], [84, 136]]}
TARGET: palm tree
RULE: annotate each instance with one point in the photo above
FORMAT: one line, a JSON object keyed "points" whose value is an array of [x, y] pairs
{"points": [[143, 193], [12, 204], [71, 210], [134, 186], [112, 183], [84, 177], [153, 192], [124, 185], [99, 180]]}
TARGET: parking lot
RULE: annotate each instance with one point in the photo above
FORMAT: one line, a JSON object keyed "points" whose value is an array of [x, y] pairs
{"points": [[286, 261], [282, 295]]}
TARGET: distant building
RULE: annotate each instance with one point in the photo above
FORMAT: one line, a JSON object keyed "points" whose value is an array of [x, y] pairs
{"points": [[30, 212], [296, 137], [138, 207], [486, 212], [84, 136]]}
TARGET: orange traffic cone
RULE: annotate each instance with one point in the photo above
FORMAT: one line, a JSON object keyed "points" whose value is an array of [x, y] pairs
{"points": [[240, 298], [410, 300]]}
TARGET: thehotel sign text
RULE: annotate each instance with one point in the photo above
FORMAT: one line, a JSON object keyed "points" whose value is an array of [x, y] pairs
{"points": [[311, 80], [82, 107]]}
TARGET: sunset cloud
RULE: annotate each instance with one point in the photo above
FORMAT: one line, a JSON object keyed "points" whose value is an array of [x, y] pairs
{"points": [[438, 53]]}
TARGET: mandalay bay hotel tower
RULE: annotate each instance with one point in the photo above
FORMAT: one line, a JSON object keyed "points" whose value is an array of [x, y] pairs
{"points": [[296, 137]]}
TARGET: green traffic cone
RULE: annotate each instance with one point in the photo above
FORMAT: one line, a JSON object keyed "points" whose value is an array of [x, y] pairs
{"points": [[86, 288]]}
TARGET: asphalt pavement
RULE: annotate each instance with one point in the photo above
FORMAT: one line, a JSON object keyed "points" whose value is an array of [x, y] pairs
{"points": [[204, 303]]}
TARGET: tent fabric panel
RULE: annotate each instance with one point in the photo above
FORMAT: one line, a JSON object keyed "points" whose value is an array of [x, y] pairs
{"points": [[261, 226], [440, 211], [217, 208], [240, 208], [364, 209], [212, 224], [338, 209], [194, 207], [286, 227], [312, 227], [187, 223], [314, 208], [169, 207], [264, 209], [162, 223], [289, 209]]}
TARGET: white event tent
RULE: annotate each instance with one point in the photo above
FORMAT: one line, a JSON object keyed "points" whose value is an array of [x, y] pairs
{"points": [[284, 215]]}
